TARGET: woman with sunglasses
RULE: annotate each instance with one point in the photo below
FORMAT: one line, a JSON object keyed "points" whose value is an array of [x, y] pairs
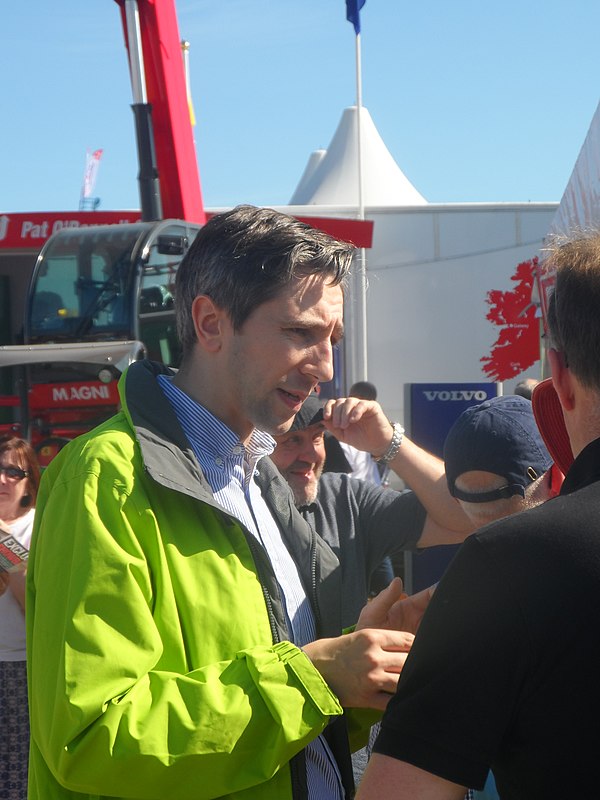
{"points": [[19, 481]]}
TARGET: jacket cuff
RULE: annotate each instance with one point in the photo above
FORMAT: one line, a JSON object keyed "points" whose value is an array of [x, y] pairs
{"points": [[278, 663]]}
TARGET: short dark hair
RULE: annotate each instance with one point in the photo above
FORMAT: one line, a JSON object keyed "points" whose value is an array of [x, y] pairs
{"points": [[245, 257], [574, 308], [363, 389], [27, 461]]}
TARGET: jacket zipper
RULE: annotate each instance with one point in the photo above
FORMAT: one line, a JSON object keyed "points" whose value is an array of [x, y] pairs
{"points": [[254, 547], [298, 762], [313, 579]]}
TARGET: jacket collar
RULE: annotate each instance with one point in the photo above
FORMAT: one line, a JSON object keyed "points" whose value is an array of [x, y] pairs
{"points": [[584, 470], [167, 455]]}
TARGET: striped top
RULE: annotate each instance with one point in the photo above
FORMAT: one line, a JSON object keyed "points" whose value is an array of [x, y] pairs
{"points": [[229, 466]]}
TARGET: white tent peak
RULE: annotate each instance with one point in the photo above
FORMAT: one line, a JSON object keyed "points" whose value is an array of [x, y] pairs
{"points": [[331, 176]]}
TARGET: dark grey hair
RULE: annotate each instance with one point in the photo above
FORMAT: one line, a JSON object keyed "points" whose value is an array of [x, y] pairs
{"points": [[247, 256]]}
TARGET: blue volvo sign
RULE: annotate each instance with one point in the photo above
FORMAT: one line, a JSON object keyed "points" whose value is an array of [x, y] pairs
{"points": [[434, 407]]}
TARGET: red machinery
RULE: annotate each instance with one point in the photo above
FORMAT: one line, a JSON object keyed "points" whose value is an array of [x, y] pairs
{"points": [[102, 296], [161, 100]]}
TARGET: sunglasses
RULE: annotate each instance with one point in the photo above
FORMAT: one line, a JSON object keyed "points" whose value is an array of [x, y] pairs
{"points": [[13, 473]]}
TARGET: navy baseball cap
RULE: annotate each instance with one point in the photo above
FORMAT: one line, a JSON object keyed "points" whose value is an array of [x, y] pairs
{"points": [[499, 436], [310, 413]]}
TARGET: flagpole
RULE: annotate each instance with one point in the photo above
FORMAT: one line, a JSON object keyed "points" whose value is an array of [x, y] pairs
{"points": [[82, 193], [361, 285], [361, 208]]}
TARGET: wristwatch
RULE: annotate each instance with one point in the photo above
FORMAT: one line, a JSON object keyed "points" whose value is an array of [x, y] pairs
{"points": [[390, 453]]}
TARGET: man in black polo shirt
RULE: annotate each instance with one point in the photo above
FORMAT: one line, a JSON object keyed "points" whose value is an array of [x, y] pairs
{"points": [[504, 669]]}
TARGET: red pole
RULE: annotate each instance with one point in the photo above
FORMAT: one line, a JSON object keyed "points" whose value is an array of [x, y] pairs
{"points": [[176, 161]]}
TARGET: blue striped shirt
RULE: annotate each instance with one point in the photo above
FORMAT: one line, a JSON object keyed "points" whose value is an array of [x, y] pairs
{"points": [[229, 466]]}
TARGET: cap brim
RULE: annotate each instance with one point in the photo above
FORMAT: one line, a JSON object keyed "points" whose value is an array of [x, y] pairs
{"points": [[310, 413], [548, 414]]}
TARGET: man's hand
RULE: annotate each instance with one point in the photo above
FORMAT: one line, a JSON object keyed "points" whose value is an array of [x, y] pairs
{"points": [[360, 423], [391, 609], [361, 668]]}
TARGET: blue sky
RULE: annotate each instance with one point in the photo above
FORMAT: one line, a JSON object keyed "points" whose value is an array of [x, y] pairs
{"points": [[477, 101]]}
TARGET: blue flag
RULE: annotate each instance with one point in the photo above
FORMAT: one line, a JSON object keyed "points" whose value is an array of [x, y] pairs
{"points": [[353, 13]]}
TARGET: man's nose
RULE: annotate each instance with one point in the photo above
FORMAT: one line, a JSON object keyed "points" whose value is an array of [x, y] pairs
{"points": [[319, 361], [309, 453]]}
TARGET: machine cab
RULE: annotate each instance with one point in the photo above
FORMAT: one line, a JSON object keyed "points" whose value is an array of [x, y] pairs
{"points": [[112, 282], [94, 291]]}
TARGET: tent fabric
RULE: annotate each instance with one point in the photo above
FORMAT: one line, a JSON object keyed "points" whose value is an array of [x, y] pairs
{"points": [[331, 177], [579, 208], [311, 167]]}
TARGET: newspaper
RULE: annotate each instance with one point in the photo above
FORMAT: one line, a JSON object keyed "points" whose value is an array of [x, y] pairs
{"points": [[13, 555]]}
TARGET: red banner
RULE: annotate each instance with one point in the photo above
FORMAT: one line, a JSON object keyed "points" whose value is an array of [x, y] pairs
{"points": [[30, 231], [356, 231], [73, 395]]}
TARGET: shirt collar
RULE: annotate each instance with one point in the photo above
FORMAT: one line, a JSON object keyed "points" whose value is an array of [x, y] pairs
{"points": [[208, 435]]}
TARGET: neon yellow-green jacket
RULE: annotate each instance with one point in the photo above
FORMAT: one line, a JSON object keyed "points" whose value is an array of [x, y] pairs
{"points": [[157, 653]]}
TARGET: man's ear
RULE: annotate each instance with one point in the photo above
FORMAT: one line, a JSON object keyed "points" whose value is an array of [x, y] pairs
{"points": [[209, 323], [562, 379]]}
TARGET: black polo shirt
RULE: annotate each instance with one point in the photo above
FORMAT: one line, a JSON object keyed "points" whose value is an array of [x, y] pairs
{"points": [[505, 669]]}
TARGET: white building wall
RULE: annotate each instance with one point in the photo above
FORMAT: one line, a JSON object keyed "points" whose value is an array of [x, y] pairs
{"points": [[429, 272]]}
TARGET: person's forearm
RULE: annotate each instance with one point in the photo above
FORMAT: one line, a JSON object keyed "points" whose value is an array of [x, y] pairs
{"points": [[17, 584], [390, 777], [424, 473], [433, 534]]}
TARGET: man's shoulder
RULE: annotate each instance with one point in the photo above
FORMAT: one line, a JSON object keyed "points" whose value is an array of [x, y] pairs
{"points": [[331, 484], [529, 520], [557, 518], [110, 446], [330, 479]]}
